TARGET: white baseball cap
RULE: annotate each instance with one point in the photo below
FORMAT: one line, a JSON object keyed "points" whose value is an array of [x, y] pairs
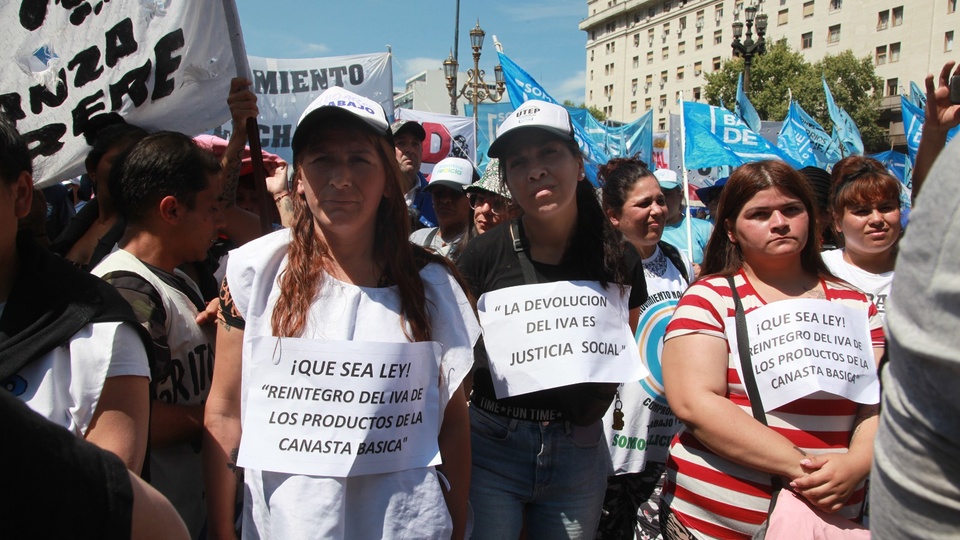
{"points": [[533, 114], [340, 101], [667, 178], [452, 172]]}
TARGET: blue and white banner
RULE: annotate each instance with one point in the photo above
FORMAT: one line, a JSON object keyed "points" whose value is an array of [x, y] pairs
{"points": [[715, 136], [826, 149], [844, 126], [521, 87], [912, 125], [917, 96], [794, 141], [744, 109], [898, 164], [627, 140], [489, 118]]}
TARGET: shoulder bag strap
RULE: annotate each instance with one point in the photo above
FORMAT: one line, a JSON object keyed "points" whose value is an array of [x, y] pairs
{"points": [[520, 245]]}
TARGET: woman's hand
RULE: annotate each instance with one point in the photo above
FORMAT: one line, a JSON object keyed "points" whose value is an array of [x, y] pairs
{"points": [[830, 479]]}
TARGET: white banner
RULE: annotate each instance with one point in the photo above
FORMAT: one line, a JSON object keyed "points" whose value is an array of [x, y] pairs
{"points": [[798, 347], [285, 87], [447, 136], [341, 408], [159, 66], [556, 334]]}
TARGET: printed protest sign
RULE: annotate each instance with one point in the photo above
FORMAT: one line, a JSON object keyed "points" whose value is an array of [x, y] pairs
{"points": [[158, 65], [285, 87], [341, 408], [798, 347], [556, 334], [447, 136]]}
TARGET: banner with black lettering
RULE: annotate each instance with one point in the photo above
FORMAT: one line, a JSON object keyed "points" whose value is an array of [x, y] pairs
{"points": [[447, 136], [158, 65], [285, 87]]}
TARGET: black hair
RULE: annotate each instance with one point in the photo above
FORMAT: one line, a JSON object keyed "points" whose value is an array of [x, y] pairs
{"points": [[104, 138], [617, 178], [14, 155], [163, 164]]}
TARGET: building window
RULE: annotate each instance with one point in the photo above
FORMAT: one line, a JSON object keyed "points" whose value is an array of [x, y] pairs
{"points": [[666, 30], [613, 47], [681, 47], [782, 17], [716, 63], [591, 95], [696, 93], [897, 13], [718, 37], [806, 40], [894, 52], [662, 125], [636, 61], [676, 97], [663, 101], [649, 80], [666, 5], [682, 24], [591, 54], [738, 7], [893, 87], [651, 11], [633, 85], [636, 40], [697, 69], [649, 57], [883, 20], [680, 73], [951, 6], [783, 3], [948, 41], [718, 13], [808, 9], [608, 48], [633, 107], [833, 34], [591, 74], [665, 53], [647, 104], [663, 78], [835, 5], [881, 57], [699, 20], [698, 43]]}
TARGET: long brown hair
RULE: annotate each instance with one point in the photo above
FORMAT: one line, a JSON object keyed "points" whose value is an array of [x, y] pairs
{"points": [[723, 257], [308, 257]]}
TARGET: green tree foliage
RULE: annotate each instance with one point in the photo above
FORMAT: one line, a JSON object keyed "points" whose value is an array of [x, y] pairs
{"points": [[854, 85], [593, 110]]}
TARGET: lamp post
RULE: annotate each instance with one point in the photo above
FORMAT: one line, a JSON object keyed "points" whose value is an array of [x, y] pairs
{"points": [[748, 48], [474, 90]]}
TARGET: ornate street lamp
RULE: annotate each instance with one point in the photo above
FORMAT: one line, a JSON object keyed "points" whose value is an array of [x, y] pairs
{"points": [[748, 48], [474, 90]]}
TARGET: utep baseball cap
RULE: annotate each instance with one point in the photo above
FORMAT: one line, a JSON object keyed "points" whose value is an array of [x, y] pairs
{"points": [[490, 181], [338, 101], [408, 126], [533, 114], [666, 178], [452, 172]]}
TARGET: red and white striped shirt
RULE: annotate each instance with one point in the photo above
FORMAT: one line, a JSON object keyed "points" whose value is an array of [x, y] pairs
{"points": [[712, 496]]}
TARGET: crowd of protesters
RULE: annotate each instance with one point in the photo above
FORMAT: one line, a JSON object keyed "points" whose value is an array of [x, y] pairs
{"points": [[148, 324]]}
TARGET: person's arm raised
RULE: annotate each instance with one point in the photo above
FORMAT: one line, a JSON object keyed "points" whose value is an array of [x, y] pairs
{"points": [[939, 118]]}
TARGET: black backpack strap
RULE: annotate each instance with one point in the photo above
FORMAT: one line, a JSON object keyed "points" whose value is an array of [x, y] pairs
{"points": [[520, 246], [673, 254]]}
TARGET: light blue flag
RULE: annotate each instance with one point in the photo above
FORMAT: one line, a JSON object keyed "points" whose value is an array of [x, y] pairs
{"points": [[715, 136], [912, 125], [744, 109], [825, 148], [917, 96], [844, 126], [489, 118], [794, 141], [522, 87], [898, 164]]}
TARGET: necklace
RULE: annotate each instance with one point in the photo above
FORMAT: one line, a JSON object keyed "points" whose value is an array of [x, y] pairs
{"points": [[656, 266]]}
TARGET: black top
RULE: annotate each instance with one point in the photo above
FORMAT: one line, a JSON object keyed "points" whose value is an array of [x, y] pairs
{"points": [[56, 484], [489, 263]]}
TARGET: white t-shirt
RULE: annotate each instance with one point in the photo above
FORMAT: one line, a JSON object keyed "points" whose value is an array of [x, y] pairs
{"points": [[877, 286], [649, 423], [405, 504], [64, 386]]}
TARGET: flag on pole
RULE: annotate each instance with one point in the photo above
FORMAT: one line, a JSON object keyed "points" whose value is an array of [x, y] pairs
{"points": [[714, 136], [917, 96], [794, 141], [522, 87], [825, 148], [744, 109], [844, 127]]}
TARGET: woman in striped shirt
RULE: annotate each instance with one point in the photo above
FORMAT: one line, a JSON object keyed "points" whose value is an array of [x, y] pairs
{"points": [[722, 463]]}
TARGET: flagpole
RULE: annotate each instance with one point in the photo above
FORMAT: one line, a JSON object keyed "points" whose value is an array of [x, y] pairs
{"points": [[686, 181], [253, 130]]}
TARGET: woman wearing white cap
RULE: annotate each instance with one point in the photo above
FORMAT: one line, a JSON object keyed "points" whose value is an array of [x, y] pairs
{"points": [[446, 186], [538, 460], [333, 444]]}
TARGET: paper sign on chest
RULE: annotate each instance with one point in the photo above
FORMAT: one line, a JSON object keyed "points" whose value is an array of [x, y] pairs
{"points": [[799, 347], [556, 334], [341, 408]]}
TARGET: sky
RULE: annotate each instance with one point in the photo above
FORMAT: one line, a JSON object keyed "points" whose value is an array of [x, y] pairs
{"points": [[541, 36]]}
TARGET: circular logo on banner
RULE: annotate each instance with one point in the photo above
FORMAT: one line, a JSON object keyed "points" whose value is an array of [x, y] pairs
{"points": [[650, 331]]}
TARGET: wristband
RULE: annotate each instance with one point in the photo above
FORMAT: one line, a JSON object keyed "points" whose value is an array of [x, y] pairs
{"points": [[276, 200]]}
